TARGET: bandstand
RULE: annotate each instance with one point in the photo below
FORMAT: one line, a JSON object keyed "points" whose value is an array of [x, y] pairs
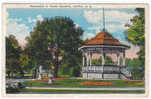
{"points": [[103, 44]]}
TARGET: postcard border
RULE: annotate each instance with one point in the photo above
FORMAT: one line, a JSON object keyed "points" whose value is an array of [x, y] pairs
{"points": [[147, 57]]}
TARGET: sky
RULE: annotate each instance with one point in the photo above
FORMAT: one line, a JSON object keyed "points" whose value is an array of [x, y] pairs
{"points": [[20, 22]]}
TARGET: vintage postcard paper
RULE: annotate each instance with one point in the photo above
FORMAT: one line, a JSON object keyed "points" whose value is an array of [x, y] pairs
{"points": [[83, 49]]}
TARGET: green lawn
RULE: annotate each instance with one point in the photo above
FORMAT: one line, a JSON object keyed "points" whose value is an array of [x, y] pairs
{"points": [[53, 91], [77, 83]]}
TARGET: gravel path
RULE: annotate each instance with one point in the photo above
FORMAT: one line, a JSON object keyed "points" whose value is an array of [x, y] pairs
{"points": [[130, 88], [17, 80]]}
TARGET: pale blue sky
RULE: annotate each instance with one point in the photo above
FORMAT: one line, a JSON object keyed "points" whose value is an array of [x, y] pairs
{"points": [[21, 21]]}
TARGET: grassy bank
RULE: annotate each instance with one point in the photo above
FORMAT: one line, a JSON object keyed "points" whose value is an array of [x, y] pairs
{"points": [[79, 83], [52, 91]]}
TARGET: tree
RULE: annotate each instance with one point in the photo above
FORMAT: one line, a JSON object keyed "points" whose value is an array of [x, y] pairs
{"points": [[136, 35], [24, 62], [12, 55], [53, 41], [70, 67], [134, 67]]}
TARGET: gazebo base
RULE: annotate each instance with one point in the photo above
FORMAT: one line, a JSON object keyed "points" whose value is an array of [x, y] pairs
{"points": [[102, 76]]}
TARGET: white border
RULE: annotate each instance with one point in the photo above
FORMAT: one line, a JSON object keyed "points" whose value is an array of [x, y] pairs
{"points": [[94, 95]]}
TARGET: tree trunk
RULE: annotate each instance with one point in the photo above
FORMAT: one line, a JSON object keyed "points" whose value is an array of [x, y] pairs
{"points": [[56, 71], [8, 74], [56, 66], [35, 74], [22, 73]]}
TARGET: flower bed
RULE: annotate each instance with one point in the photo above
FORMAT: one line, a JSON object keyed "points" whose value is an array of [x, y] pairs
{"points": [[128, 80], [97, 83], [60, 78], [42, 80]]}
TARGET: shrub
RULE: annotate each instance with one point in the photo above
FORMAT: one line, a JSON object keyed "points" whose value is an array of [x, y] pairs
{"points": [[13, 87]]}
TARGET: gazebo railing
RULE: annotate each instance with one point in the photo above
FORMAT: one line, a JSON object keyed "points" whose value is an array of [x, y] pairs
{"points": [[106, 69], [101, 68]]}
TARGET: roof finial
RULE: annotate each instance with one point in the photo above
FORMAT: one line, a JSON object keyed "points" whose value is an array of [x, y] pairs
{"points": [[103, 21]]}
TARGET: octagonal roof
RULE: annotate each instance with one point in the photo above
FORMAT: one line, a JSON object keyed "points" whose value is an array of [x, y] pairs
{"points": [[104, 38]]}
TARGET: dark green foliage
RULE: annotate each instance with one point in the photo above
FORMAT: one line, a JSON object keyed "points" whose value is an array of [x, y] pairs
{"points": [[17, 61], [57, 91], [71, 65], [134, 66], [136, 35], [12, 56], [11, 88], [25, 62], [108, 60], [52, 39]]}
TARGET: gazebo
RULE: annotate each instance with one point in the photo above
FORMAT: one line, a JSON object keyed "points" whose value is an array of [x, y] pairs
{"points": [[104, 43]]}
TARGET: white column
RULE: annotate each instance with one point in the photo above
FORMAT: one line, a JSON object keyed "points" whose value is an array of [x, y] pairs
{"points": [[124, 58], [118, 58], [83, 60], [87, 59], [103, 60], [90, 58]]}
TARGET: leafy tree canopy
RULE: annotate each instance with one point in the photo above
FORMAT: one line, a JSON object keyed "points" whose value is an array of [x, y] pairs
{"points": [[136, 35], [53, 39], [12, 55], [134, 66]]}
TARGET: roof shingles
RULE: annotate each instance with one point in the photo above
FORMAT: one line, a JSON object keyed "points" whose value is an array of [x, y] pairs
{"points": [[104, 38]]}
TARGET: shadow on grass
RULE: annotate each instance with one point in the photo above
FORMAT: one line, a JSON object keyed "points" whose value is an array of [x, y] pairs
{"points": [[54, 91]]}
